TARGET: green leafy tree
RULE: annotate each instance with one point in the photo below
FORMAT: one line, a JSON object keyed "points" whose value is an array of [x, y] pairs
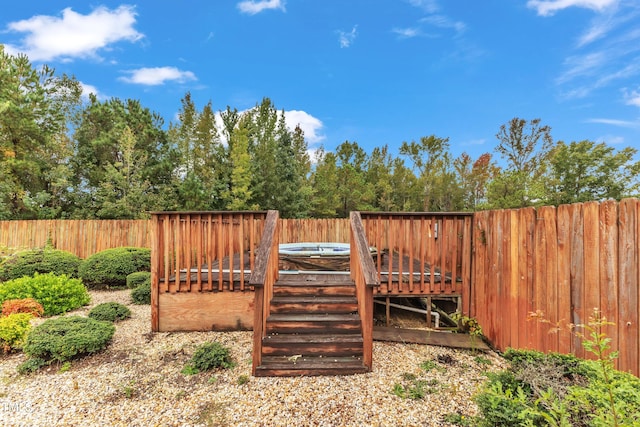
{"points": [[584, 171], [238, 197], [201, 171], [353, 190], [525, 146], [474, 177], [35, 106], [293, 167], [263, 146], [324, 181], [98, 139], [379, 171], [124, 190], [432, 163]]}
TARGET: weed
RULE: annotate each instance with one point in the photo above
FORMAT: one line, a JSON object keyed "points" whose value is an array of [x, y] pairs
{"points": [[481, 360], [130, 390], [64, 367], [459, 419], [243, 379], [430, 365]]}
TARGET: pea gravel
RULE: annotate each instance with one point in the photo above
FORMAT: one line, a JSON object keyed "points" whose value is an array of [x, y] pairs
{"points": [[137, 382]]}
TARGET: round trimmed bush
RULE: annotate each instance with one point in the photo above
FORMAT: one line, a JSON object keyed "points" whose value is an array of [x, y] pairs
{"points": [[110, 268], [142, 294], [208, 356], [57, 294], [68, 337], [29, 262], [13, 330], [110, 312], [138, 278]]}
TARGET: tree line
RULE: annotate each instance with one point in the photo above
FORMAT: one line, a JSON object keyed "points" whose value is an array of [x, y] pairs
{"points": [[62, 157]]}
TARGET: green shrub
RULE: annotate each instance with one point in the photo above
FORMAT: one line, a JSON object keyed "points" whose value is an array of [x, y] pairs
{"points": [[555, 389], [68, 337], [138, 278], [209, 356], [31, 365], [110, 312], [142, 294], [29, 262], [13, 330], [57, 294], [110, 268]]}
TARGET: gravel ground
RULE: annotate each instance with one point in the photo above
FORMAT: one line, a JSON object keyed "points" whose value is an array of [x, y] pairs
{"points": [[137, 382]]}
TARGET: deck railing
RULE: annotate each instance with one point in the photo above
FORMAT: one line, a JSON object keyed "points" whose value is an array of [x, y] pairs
{"points": [[364, 274], [420, 253], [263, 278], [202, 252]]}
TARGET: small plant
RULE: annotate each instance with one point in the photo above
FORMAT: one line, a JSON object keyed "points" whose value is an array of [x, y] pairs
{"points": [[414, 389], [24, 305], [32, 261], [13, 331], [65, 367], [481, 360], [430, 365], [110, 312], [459, 419], [142, 294], [209, 356], [243, 379], [110, 268], [57, 294], [138, 278], [130, 390], [66, 338]]}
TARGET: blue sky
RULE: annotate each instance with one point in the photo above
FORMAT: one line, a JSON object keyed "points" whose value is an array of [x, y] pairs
{"points": [[372, 71]]}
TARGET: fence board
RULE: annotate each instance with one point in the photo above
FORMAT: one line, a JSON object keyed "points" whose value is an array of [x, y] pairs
{"points": [[564, 279], [628, 303]]}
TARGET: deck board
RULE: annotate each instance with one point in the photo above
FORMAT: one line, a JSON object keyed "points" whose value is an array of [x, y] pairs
{"points": [[439, 338]]}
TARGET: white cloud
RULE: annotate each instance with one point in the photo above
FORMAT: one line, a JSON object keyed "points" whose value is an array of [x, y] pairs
{"points": [[88, 89], [347, 38], [407, 33], [442, 21], [158, 76], [253, 7], [616, 122], [583, 65], [549, 7], [632, 98], [429, 6], [74, 35], [310, 125]]}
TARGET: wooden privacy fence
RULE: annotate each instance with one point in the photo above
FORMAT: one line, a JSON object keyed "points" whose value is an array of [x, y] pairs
{"points": [[562, 262], [86, 237], [81, 237]]}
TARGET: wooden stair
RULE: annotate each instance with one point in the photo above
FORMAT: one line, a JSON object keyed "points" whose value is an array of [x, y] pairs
{"points": [[313, 327]]}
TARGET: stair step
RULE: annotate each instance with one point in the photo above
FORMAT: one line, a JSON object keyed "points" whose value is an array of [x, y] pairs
{"points": [[317, 285], [313, 290], [314, 304], [313, 345], [313, 323], [281, 366]]}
